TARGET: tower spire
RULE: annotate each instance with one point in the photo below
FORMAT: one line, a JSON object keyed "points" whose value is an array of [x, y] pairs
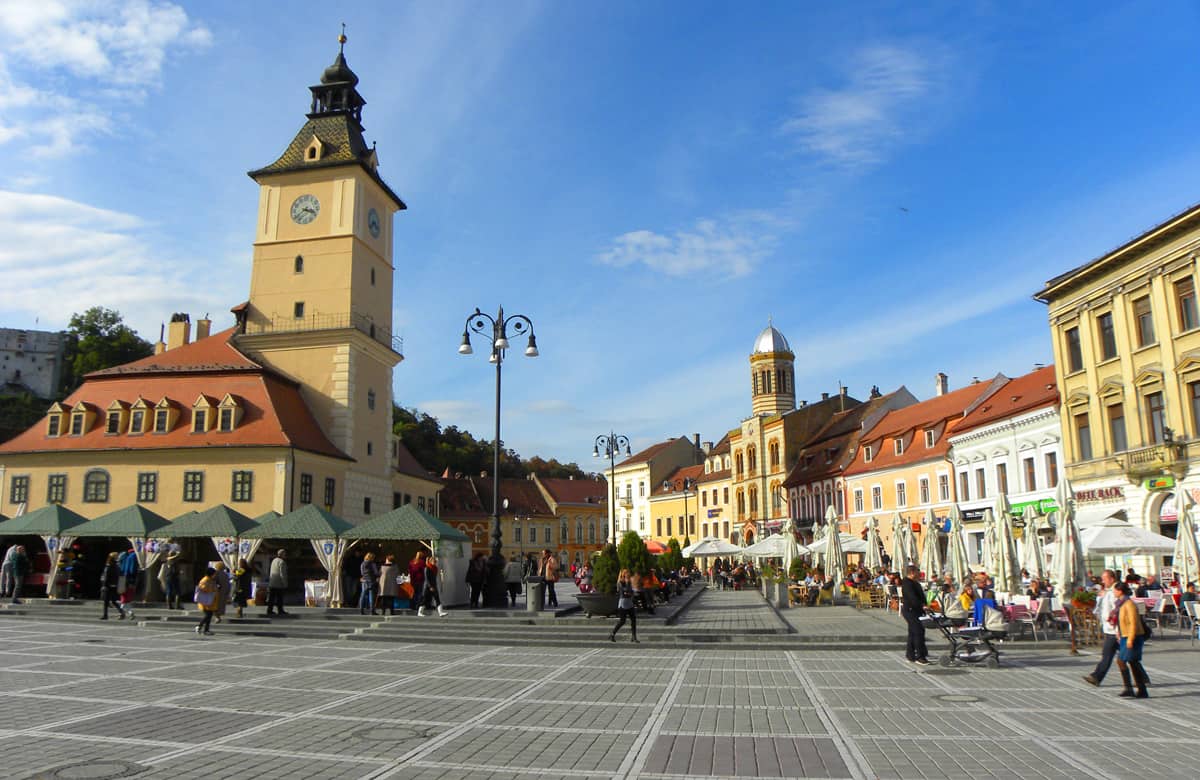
{"points": [[342, 40]]}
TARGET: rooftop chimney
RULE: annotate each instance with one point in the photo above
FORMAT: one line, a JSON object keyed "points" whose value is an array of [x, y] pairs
{"points": [[941, 383], [160, 346], [824, 396], [203, 328], [179, 332], [707, 447], [696, 440]]}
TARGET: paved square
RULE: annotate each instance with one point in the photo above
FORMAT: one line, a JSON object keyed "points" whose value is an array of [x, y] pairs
{"points": [[80, 700]]}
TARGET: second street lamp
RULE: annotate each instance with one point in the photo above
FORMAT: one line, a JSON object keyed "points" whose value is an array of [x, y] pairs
{"points": [[612, 442], [495, 329]]}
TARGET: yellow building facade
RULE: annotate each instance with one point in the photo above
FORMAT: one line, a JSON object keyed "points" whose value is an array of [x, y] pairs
{"points": [[1126, 338]]}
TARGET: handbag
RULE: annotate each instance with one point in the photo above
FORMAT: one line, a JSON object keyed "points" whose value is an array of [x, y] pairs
{"points": [[204, 598]]}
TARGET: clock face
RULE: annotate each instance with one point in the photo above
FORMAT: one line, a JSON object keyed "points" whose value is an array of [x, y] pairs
{"points": [[305, 209], [373, 223]]}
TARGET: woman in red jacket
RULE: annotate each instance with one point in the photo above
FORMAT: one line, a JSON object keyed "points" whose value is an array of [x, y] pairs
{"points": [[416, 580]]}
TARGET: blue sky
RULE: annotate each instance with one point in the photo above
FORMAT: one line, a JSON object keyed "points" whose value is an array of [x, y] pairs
{"points": [[647, 181]]}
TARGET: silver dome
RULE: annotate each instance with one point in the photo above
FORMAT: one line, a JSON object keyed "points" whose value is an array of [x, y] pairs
{"points": [[770, 340]]}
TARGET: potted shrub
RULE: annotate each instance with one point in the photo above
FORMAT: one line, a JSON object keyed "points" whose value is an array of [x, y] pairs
{"points": [[774, 585], [1083, 599], [605, 568]]}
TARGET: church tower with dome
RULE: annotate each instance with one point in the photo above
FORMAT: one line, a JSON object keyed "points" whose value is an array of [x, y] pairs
{"points": [[772, 374]]}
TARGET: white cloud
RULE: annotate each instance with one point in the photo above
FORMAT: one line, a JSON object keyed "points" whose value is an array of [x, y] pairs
{"points": [[731, 248], [62, 256], [879, 106], [111, 54]]}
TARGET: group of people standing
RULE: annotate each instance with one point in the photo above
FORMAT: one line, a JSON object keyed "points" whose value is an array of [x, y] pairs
{"points": [[382, 586]]}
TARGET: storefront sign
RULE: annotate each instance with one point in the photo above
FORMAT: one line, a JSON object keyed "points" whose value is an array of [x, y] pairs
{"points": [[714, 513], [1042, 506], [1160, 483], [972, 515], [1115, 493]]}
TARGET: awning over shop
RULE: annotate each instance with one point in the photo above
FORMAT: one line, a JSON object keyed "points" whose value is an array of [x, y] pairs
{"points": [[407, 523]]}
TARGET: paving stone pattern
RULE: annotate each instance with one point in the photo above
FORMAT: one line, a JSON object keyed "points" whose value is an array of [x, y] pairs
{"points": [[86, 700]]}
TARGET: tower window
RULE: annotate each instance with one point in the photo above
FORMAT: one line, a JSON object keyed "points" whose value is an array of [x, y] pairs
{"points": [[298, 310], [306, 487], [371, 400], [372, 277], [312, 153], [299, 264], [370, 448]]}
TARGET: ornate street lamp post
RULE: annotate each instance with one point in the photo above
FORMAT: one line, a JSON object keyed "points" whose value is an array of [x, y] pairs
{"points": [[612, 442], [496, 330], [685, 484]]}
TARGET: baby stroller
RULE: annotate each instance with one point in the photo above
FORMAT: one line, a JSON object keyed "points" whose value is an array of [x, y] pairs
{"points": [[969, 644]]}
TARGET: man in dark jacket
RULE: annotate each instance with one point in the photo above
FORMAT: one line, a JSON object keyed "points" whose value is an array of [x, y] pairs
{"points": [[912, 606]]}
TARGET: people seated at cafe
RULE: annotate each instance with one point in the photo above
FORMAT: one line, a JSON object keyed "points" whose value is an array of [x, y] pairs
{"points": [[1035, 590]]}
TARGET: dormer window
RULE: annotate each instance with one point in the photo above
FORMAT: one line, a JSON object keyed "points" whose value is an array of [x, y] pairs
{"points": [[113, 424], [929, 438], [137, 417], [314, 150], [199, 421], [54, 420], [116, 418], [868, 454], [229, 414], [898, 445], [77, 421], [162, 420], [203, 412]]}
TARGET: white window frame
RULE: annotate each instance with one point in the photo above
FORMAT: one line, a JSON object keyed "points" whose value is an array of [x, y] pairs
{"points": [[898, 445], [901, 493], [876, 498], [943, 488], [930, 439], [923, 490], [867, 453]]}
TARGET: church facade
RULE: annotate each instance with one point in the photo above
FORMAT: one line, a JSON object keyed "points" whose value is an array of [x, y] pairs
{"points": [[293, 403]]}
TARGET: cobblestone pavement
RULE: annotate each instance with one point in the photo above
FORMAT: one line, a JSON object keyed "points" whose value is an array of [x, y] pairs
{"points": [[730, 610], [112, 700]]}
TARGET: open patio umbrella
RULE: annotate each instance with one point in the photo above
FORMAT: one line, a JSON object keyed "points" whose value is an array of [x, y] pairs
{"points": [[1187, 554], [956, 552], [1113, 536], [690, 550], [873, 559], [1006, 570], [931, 550], [715, 547], [655, 547], [324, 530], [54, 523], [1033, 556], [770, 547], [835, 557], [1069, 567]]}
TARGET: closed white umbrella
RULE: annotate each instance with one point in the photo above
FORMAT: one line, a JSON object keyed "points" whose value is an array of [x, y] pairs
{"points": [[1034, 557], [989, 540], [874, 560], [817, 549], [1007, 572], [912, 550], [1187, 552], [956, 563], [1069, 567], [791, 550], [835, 557], [899, 552], [931, 550]]}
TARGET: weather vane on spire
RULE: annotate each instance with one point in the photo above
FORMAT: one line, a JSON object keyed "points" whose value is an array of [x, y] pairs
{"points": [[342, 39]]}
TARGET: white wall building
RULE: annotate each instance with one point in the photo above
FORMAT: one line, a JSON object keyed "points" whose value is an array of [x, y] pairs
{"points": [[30, 361]]}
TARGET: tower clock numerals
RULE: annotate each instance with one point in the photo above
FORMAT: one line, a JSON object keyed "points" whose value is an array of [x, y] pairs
{"points": [[305, 209], [373, 223]]}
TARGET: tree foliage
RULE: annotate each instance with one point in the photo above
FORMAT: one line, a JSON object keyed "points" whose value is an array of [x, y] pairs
{"points": [[633, 554], [439, 448], [672, 559], [18, 413], [605, 570], [98, 339]]}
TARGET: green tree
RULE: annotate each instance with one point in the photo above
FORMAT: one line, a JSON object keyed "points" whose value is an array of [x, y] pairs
{"points": [[98, 339], [633, 554], [672, 559], [605, 570]]}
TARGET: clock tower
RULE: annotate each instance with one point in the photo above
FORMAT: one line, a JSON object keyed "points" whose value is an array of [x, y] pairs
{"points": [[320, 307]]}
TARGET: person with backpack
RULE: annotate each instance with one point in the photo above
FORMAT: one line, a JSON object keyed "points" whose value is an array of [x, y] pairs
{"points": [[128, 563], [476, 577]]}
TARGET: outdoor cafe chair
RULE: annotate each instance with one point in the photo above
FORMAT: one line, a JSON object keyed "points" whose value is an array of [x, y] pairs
{"points": [[1023, 616]]}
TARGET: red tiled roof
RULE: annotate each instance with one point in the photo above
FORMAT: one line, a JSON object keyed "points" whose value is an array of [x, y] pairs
{"points": [[469, 496], [576, 491], [648, 453], [273, 412], [827, 453], [406, 463], [946, 408], [681, 473], [215, 353], [715, 476], [1031, 391]]}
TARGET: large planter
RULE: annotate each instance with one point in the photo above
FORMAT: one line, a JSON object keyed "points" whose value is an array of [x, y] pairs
{"points": [[602, 604], [779, 594]]}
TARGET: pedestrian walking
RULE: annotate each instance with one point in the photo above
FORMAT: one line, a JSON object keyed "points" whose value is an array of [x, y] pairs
{"points": [[1105, 607], [416, 579], [110, 592], [625, 606], [1131, 636], [128, 582], [476, 577], [277, 581], [20, 570], [224, 589], [912, 606], [368, 572], [513, 575], [6, 570], [168, 578], [206, 598], [241, 586], [389, 584], [431, 597], [549, 569]]}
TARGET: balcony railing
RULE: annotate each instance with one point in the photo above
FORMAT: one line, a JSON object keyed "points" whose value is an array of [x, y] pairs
{"points": [[1154, 459], [359, 322], [625, 501]]}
